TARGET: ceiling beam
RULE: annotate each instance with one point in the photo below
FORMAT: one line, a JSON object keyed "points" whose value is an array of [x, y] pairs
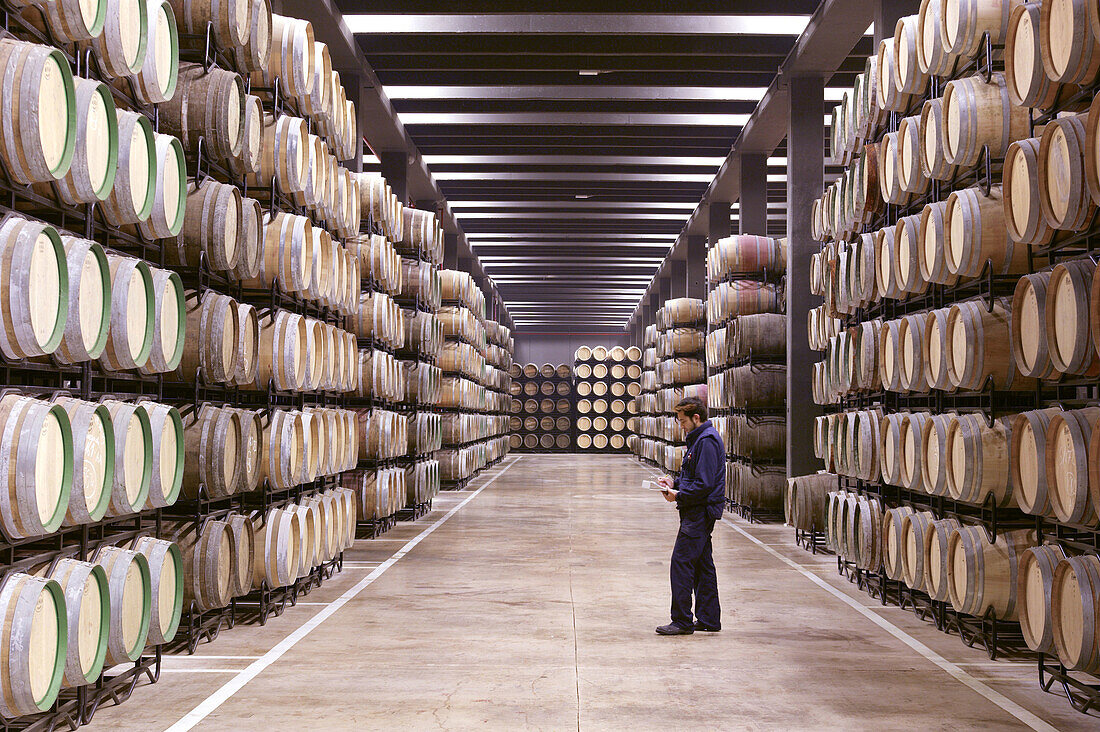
{"points": [[577, 23]]}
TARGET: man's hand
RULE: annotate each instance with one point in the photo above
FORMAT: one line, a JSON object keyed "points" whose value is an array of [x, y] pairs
{"points": [[665, 480], [670, 495]]}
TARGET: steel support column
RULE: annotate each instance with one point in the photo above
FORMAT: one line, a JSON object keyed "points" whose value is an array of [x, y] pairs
{"points": [[718, 221], [696, 249], [664, 290], [395, 169], [677, 274], [887, 14], [752, 217], [805, 176], [450, 251]]}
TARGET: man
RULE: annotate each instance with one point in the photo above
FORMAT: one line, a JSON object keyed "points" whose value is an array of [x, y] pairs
{"points": [[700, 495]]}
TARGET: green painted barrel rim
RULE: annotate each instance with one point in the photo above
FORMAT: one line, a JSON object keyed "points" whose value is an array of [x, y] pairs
{"points": [[100, 576], [112, 141], [142, 268], [66, 161], [62, 645], [176, 224], [147, 474], [177, 482], [95, 250], [143, 43], [62, 507], [173, 77], [134, 652], [181, 323], [100, 509], [151, 187], [62, 315], [177, 559]]}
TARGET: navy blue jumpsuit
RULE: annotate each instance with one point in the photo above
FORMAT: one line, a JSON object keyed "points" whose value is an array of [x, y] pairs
{"points": [[701, 497]]}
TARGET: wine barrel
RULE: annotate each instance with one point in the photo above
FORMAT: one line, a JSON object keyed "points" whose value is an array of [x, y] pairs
{"points": [[282, 357], [250, 158], [278, 536], [933, 457], [888, 353], [932, 55], [936, 540], [34, 288], [1092, 149], [1034, 588], [34, 634], [157, 80], [980, 347], [37, 450], [166, 574], [38, 100], [131, 199], [934, 159], [250, 246], [253, 53], [209, 552], [133, 457], [932, 242], [89, 315], [914, 529], [913, 375], [1028, 330], [168, 213], [983, 575], [889, 167], [1028, 462], [130, 590], [247, 337], [908, 77], [209, 105], [211, 226], [936, 352], [964, 23], [1069, 465], [1074, 615], [1063, 192], [976, 234], [287, 260], [91, 174], [166, 470], [213, 441], [130, 337], [283, 449], [87, 608], [887, 95], [890, 446], [1070, 52], [980, 114], [868, 534], [124, 43], [893, 541], [169, 322], [291, 59], [1067, 324], [93, 450], [211, 345], [911, 449], [978, 460], [74, 21], [808, 508], [911, 175], [229, 20]]}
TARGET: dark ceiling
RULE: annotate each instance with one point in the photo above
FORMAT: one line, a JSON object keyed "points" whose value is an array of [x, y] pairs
{"points": [[573, 142]]}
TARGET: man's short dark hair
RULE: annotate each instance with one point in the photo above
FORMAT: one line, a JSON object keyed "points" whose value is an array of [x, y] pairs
{"points": [[692, 406]]}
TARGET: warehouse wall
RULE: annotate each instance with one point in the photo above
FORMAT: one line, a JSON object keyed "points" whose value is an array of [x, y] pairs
{"points": [[558, 348]]}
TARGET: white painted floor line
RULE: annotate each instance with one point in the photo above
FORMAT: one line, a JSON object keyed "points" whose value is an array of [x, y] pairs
{"points": [[182, 656], [165, 670], [952, 669], [235, 684]]}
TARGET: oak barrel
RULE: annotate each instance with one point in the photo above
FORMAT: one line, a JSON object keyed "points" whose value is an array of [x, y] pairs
{"points": [[130, 337], [133, 457], [34, 288], [93, 460], [130, 590], [34, 635], [1075, 593], [166, 586], [1034, 589], [168, 449], [984, 575], [88, 610], [36, 448], [89, 315]]}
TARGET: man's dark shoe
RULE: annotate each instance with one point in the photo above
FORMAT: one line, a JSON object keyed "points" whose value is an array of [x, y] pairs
{"points": [[674, 629], [707, 629]]}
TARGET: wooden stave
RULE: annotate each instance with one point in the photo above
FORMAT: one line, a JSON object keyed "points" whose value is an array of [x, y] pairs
{"points": [[935, 350], [17, 605], [868, 520], [913, 377], [168, 301], [889, 439], [73, 577], [118, 354], [907, 74], [248, 338], [935, 61], [125, 497], [76, 186], [116, 562], [157, 552], [910, 449], [163, 418], [1069, 435], [1081, 654], [21, 512], [81, 413], [971, 551], [74, 347], [1029, 432], [283, 448], [1034, 585], [1024, 219], [912, 176], [20, 244]]}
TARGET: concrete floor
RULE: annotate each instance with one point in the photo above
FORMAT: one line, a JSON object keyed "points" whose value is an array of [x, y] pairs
{"points": [[533, 606]]}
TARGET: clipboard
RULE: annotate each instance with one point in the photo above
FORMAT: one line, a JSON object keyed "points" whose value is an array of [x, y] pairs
{"points": [[651, 485]]}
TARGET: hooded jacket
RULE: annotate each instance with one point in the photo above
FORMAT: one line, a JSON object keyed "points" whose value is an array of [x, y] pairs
{"points": [[701, 485]]}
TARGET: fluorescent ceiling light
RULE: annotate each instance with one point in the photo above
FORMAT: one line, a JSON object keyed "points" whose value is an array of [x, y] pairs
{"points": [[577, 23], [575, 176], [574, 118], [595, 215], [601, 92], [571, 235], [572, 203], [712, 162]]}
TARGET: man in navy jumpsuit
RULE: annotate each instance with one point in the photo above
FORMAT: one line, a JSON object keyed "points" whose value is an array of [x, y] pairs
{"points": [[700, 496]]}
